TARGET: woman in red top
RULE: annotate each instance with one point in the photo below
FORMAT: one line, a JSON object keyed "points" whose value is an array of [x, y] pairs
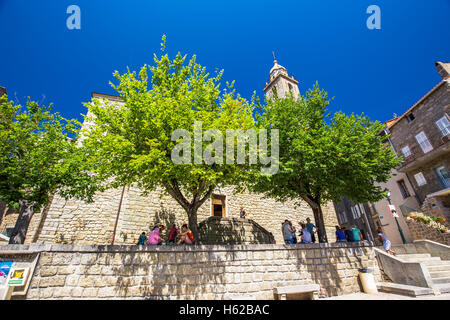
{"points": [[186, 237], [173, 234]]}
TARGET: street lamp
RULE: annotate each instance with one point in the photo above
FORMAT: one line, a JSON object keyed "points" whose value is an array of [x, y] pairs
{"points": [[394, 214]]}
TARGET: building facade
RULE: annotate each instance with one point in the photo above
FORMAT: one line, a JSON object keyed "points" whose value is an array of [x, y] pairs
{"points": [[422, 136], [122, 214]]}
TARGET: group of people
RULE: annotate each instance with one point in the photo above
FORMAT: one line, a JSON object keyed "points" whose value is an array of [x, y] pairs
{"points": [[175, 237], [306, 234], [348, 235]]}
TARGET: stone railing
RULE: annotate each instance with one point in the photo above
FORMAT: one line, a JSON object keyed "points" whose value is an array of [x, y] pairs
{"points": [[191, 272]]}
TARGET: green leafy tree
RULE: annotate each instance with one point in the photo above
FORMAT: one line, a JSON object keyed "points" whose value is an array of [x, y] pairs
{"points": [[323, 157], [131, 142], [38, 159]]}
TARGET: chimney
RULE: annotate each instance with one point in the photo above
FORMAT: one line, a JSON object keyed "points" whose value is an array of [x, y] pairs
{"points": [[443, 69]]}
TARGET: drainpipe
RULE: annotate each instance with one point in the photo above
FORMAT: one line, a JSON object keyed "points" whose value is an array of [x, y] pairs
{"points": [[367, 222], [117, 218]]}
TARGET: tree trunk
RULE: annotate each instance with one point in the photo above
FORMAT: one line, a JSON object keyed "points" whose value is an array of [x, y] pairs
{"points": [[23, 221], [2, 211], [320, 223], [193, 226]]}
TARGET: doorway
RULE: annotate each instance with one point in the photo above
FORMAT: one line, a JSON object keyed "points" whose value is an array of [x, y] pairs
{"points": [[218, 205]]}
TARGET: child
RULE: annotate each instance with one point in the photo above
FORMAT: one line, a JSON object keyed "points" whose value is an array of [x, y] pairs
{"points": [[186, 236], [386, 242], [142, 239]]}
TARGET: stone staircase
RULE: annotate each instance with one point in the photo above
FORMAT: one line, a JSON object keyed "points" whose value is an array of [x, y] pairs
{"points": [[439, 269], [436, 271], [232, 231]]}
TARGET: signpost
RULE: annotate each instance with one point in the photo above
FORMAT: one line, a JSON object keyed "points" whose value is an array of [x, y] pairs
{"points": [[393, 212]]}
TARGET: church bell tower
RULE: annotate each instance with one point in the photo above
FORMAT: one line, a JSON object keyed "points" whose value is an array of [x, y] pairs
{"points": [[280, 82]]}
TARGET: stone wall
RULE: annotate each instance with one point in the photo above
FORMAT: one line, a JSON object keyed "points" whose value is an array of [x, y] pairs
{"points": [[75, 222], [192, 272], [421, 231]]}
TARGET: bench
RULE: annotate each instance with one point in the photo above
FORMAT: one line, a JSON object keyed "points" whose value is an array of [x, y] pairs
{"points": [[310, 291]]}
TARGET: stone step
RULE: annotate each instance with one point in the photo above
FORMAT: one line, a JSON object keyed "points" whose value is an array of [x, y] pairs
{"points": [[443, 287], [413, 255], [424, 259], [440, 274], [442, 267], [403, 289], [442, 280], [435, 262]]}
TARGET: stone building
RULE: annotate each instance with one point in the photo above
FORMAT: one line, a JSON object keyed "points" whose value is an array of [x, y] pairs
{"points": [[421, 181], [122, 214], [422, 136]]}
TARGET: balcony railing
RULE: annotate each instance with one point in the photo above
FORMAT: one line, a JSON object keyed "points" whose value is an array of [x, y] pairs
{"points": [[436, 140]]}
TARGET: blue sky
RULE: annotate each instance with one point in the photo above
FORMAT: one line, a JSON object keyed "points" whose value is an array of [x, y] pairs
{"points": [[376, 72]]}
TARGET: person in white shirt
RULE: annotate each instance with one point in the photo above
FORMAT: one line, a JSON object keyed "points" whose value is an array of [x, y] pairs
{"points": [[386, 242]]}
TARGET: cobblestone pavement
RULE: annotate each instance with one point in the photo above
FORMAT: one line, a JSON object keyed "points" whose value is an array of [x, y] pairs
{"points": [[386, 296]]}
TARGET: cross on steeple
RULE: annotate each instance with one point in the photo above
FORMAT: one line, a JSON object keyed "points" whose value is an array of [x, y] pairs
{"points": [[274, 58]]}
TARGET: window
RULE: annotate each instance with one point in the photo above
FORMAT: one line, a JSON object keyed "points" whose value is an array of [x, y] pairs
{"points": [[290, 87], [423, 142], [403, 189], [444, 176], [355, 212], [7, 231], [420, 179], [406, 151], [443, 125], [343, 217], [410, 117]]}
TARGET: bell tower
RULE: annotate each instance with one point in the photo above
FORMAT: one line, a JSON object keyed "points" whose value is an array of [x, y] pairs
{"points": [[280, 82]]}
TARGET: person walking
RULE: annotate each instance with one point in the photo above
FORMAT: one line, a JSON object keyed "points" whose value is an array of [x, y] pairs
{"points": [[310, 226], [340, 235], [386, 242], [287, 234]]}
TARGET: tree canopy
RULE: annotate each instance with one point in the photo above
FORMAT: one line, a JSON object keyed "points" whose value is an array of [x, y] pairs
{"points": [[133, 141], [38, 157], [324, 157]]}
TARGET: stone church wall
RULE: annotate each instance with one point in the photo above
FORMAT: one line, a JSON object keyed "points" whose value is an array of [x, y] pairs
{"points": [[75, 222]]}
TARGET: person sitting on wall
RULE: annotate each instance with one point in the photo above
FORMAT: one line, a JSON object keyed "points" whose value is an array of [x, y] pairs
{"points": [[357, 235], [340, 235], [142, 239], [173, 234], [154, 238], [305, 235], [242, 214], [293, 231], [186, 236], [348, 234]]}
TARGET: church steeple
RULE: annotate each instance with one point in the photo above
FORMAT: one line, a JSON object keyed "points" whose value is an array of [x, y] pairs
{"points": [[280, 82]]}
